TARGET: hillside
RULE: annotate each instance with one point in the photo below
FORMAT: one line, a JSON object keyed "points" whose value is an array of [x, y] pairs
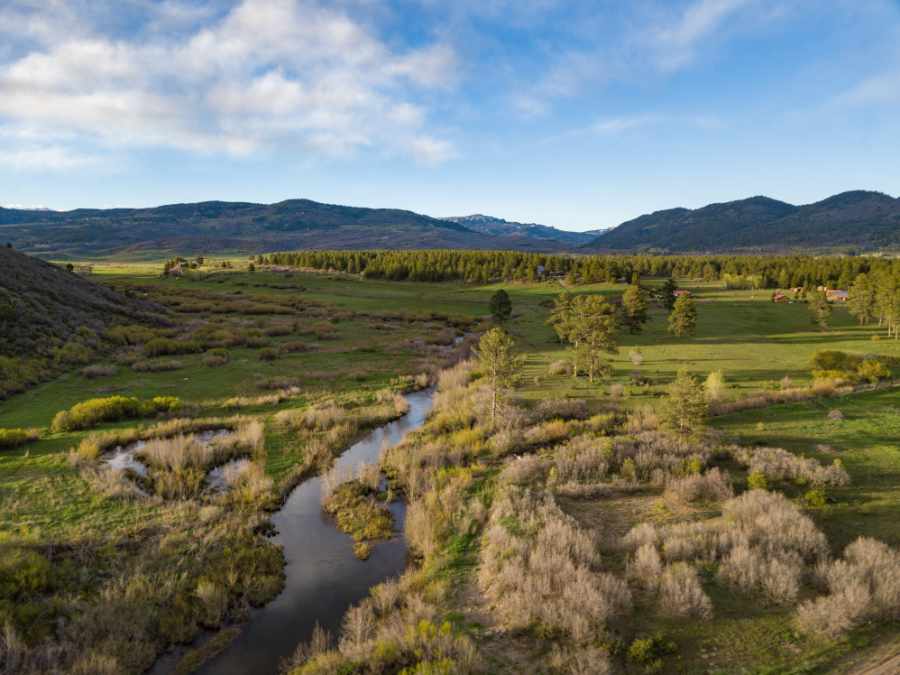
{"points": [[216, 227], [866, 220], [50, 317], [505, 228]]}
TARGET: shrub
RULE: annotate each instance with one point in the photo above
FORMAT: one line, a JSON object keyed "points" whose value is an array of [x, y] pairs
{"points": [[171, 347], [156, 366], [268, 354], [749, 569], [836, 361], [776, 464], [863, 585], [215, 358], [560, 408], [646, 567], [756, 480], [873, 371], [680, 592], [13, 438], [715, 385], [92, 412], [537, 568], [712, 486], [815, 498], [649, 652], [98, 370], [559, 368]]}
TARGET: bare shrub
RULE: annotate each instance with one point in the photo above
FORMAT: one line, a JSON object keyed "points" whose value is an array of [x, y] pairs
{"points": [[642, 419], [98, 370], [779, 464], [864, 584], [545, 578], [584, 459], [712, 486], [559, 368], [616, 391], [156, 365], [110, 482], [680, 592], [560, 408], [771, 522], [835, 415], [835, 614], [750, 569], [547, 433], [457, 377], [587, 660], [646, 567], [524, 470], [642, 534]]}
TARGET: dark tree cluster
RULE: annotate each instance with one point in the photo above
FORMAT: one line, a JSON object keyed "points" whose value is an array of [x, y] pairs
{"points": [[496, 266]]}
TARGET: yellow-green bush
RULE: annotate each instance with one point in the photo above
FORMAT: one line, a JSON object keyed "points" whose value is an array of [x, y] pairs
{"points": [[90, 413], [13, 438]]}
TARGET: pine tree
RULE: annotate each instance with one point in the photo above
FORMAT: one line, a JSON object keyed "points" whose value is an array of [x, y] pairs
{"points": [[819, 309], [499, 365], [686, 408], [668, 293], [683, 319], [634, 308], [501, 305], [592, 332], [861, 302]]}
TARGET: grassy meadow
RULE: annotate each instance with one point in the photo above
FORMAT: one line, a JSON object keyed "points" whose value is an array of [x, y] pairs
{"points": [[289, 344]]}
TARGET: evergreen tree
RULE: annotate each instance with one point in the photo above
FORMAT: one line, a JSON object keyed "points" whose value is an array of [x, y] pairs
{"points": [[683, 319], [861, 302], [634, 308], [499, 365], [686, 408], [501, 306], [668, 293], [819, 309], [592, 332]]}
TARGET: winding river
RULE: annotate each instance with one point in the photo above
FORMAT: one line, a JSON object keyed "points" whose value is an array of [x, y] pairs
{"points": [[324, 577]]}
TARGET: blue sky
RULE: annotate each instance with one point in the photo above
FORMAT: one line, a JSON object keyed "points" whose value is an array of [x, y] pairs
{"points": [[569, 113]]}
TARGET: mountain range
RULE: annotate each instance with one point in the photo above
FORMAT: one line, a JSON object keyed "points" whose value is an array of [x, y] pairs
{"points": [[859, 219]]}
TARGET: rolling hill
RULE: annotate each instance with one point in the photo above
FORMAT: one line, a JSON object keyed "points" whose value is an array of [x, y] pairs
{"points": [[498, 227], [858, 219], [240, 227]]}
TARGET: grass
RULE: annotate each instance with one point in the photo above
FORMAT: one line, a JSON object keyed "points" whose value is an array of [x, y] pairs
{"points": [[359, 335]]}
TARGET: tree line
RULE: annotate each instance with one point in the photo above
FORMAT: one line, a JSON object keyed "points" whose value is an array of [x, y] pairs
{"points": [[737, 271]]}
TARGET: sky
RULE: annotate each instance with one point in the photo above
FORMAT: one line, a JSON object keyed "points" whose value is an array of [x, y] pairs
{"points": [[578, 114]]}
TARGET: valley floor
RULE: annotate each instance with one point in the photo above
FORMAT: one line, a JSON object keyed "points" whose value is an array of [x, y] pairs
{"points": [[98, 577]]}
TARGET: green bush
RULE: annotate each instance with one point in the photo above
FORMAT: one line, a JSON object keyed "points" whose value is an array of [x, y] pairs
{"points": [[757, 481], [829, 359], [815, 498], [90, 413], [649, 652], [13, 438], [268, 354], [873, 370]]}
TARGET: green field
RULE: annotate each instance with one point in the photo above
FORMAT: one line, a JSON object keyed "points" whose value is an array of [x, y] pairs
{"points": [[358, 336]]}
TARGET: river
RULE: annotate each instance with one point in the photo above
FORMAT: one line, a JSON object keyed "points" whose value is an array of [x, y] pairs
{"points": [[323, 576]]}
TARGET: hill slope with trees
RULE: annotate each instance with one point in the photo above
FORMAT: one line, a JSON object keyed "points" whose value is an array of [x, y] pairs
{"points": [[51, 318], [858, 219]]}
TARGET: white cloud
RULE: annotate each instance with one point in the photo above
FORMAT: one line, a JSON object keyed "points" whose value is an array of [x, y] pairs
{"points": [[44, 159], [878, 89], [268, 72], [428, 150]]}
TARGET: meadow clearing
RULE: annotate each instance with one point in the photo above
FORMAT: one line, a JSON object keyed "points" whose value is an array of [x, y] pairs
{"points": [[314, 358]]}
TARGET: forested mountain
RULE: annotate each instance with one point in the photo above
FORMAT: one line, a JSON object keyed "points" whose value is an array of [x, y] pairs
{"points": [[861, 220], [216, 227], [858, 219], [506, 228]]}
